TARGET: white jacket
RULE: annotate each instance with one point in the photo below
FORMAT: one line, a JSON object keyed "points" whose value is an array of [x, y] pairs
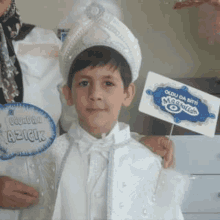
{"points": [[133, 173]]}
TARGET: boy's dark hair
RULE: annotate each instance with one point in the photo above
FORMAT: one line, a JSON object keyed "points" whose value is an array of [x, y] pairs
{"points": [[101, 56]]}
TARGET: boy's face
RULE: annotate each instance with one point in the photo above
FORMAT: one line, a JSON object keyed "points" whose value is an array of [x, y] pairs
{"points": [[98, 94]]}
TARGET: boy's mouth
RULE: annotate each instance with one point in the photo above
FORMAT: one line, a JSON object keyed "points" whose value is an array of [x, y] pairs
{"points": [[95, 110]]}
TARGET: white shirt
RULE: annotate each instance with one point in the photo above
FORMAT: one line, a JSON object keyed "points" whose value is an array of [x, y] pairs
{"points": [[96, 161]]}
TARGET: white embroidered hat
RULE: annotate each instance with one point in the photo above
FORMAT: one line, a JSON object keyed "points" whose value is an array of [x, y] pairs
{"points": [[96, 26]]}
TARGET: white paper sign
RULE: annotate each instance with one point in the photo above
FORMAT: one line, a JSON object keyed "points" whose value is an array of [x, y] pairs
{"points": [[25, 130], [180, 104]]}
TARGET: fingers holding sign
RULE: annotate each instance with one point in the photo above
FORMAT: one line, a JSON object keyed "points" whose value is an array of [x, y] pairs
{"points": [[15, 195], [161, 146]]}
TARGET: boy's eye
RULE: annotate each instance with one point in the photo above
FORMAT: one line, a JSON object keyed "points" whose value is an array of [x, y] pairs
{"points": [[84, 83], [109, 83]]}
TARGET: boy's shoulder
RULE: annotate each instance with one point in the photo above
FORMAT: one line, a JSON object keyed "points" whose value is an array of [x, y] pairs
{"points": [[133, 154], [168, 175], [141, 150], [130, 147]]}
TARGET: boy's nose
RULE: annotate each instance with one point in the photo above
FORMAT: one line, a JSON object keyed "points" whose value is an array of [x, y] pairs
{"points": [[95, 93]]}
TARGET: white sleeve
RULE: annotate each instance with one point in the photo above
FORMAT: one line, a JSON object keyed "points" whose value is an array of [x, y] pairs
{"points": [[172, 187]]}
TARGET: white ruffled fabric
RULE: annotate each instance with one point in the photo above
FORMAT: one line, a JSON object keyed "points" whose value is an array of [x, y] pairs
{"points": [[40, 70]]}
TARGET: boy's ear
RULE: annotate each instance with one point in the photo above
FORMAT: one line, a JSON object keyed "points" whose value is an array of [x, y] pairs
{"points": [[129, 94], [68, 95]]}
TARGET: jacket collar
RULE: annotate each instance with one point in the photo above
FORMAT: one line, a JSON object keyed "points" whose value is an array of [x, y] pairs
{"points": [[120, 133]]}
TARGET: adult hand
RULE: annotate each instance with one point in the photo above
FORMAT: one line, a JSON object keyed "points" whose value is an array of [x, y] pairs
{"points": [[16, 195], [192, 3], [161, 146], [208, 16]]}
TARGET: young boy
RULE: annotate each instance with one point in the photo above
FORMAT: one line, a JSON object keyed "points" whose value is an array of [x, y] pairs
{"points": [[107, 174]]}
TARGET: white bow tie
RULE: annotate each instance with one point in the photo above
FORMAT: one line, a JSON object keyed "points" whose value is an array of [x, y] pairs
{"points": [[100, 146]]}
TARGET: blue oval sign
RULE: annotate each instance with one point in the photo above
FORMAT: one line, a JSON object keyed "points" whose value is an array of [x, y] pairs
{"points": [[180, 104], [25, 130]]}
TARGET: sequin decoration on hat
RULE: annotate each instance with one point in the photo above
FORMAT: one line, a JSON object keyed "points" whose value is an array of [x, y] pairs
{"points": [[95, 11], [97, 26]]}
